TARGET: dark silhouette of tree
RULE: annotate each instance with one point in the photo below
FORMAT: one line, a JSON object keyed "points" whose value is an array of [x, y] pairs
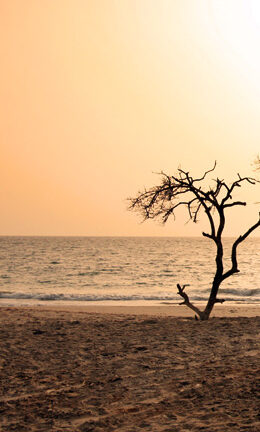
{"points": [[182, 190]]}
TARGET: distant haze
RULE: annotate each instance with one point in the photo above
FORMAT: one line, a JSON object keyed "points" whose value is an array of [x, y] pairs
{"points": [[96, 96]]}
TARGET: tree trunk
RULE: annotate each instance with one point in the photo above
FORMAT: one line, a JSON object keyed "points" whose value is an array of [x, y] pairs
{"points": [[212, 298]]}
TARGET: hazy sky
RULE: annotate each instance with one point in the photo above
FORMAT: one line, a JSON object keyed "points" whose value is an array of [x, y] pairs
{"points": [[96, 95]]}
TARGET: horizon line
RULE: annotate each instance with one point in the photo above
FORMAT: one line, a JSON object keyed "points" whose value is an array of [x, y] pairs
{"points": [[112, 236]]}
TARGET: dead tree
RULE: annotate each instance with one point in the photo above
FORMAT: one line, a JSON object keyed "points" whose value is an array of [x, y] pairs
{"points": [[182, 190]]}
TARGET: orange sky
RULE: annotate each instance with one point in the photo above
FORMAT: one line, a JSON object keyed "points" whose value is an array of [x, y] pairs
{"points": [[96, 95]]}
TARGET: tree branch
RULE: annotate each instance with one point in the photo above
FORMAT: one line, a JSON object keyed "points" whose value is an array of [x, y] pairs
{"points": [[236, 183], [234, 204], [186, 301], [207, 235], [206, 173], [240, 239]]}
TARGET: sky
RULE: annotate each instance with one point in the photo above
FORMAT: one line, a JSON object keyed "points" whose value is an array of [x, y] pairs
{"points": [[96, 96]]}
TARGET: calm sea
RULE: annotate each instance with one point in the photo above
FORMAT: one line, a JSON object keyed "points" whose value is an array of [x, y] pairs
{"points": [[121, 268]]}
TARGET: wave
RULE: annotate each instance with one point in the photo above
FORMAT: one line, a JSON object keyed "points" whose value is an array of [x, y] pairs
{"points": [[113, 297], [71, 297], [238, 292], [253, 292]]}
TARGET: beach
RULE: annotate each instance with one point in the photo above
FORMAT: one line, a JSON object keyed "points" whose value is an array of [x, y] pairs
{"points": [[104, 368]]}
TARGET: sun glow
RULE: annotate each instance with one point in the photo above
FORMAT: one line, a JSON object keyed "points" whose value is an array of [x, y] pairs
{"points": [[95, 96], [237, 25], [254, 6]]}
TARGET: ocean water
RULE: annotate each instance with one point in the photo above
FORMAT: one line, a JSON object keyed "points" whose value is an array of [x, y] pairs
{"points": [[122, 269]]}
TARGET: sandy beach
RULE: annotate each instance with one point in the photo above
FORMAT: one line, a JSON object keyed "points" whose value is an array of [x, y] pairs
{"points": [[129, 369]]}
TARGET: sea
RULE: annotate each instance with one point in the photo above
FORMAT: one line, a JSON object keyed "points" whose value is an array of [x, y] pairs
{"points": [[116, 270]]}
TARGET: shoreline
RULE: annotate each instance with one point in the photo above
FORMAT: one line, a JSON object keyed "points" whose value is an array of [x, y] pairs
{"points": [[155, 308]]}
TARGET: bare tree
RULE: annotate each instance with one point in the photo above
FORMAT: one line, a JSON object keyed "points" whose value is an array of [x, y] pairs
{"points": [[182, 190]]}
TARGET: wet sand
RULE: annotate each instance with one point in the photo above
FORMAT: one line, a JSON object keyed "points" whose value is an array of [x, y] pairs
{"points": [[76, 369]]}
